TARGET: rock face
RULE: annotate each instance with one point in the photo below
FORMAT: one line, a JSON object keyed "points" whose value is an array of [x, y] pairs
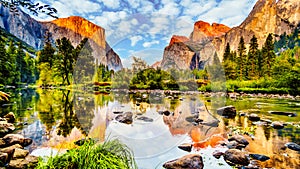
{"points": [[191, 161], [203, 30], [194, 52], [267, 16], [74, 28]]}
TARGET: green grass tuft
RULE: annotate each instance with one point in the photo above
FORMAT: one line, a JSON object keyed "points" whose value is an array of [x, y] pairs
{"points": [[109, 155]]}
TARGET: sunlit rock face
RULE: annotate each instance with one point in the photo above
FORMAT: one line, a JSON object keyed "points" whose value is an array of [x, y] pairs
{"points": [[203, 30], [267, 16], [74, 28]]}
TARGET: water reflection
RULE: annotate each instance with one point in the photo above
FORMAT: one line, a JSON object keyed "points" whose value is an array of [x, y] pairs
{"points": [[55, 118]]}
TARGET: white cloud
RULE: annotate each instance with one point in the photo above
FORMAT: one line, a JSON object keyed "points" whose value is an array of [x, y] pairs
{"points": [[135, 39], [113, 4], [149, 44], [67, 8]]}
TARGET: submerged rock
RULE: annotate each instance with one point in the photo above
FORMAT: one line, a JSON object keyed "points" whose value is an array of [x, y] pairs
{"points": [[217, 154], [235, 156], [254, 117], [293, 146], [10, 117], [186, 147], [3, 159], [277, 125], [228, 111], [259, 157], [145, 119], [125, 118], [291, 114], [191, 161], [240, 139]]}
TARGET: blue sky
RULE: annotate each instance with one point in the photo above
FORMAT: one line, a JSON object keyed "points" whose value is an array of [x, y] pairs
{"points": [[143, 28]]}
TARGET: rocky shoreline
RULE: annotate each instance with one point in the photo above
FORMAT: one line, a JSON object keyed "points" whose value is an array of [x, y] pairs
{"points": [[12, 152]]}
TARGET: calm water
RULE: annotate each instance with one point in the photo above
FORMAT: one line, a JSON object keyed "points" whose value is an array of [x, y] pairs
{"points": [[56, 118]]}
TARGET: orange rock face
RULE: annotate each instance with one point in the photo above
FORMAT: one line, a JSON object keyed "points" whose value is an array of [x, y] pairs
{"points": [[83, 27], [203, 30], [177, 39]]}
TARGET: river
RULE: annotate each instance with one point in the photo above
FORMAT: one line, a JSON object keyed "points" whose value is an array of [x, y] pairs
{"points": [[55, 118]]}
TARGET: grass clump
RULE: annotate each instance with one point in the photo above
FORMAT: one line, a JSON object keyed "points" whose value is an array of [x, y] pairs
{"points": [[109, 155]]}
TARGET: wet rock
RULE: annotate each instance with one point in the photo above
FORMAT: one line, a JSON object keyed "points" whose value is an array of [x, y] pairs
{"points": [[3, 159], [166, 113], [235, 145], [145, 119], [217, 154], [191, 161], [11, 139], [259, 157], [2, 143], [28, 162], [254, 117], [277, 125], [266, 120], [228, 111], [117, 112], [10, 149], [20, 153], [240, 139], [10, 117], [125, 118], [191, 118], [242, 114], [235, 156], [6, 128], [214, 123], [186, 147], [293, 146], [291, 114]]}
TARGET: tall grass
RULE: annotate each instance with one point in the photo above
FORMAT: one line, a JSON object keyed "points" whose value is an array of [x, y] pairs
{"points": [[109, 155]]}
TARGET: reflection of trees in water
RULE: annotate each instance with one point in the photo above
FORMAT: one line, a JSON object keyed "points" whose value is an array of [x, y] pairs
{"points": [[84, 108], [69, 119]]}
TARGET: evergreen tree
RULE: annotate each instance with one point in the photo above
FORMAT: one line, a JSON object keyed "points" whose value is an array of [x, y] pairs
{"points": [[11, 52], [268, 55], [21, 64], [65, 60], [47, 53], [4, 71], [227, 54], [252, 57], [241, 60]]}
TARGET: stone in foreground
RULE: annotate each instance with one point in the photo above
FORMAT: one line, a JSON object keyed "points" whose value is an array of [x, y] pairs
{"points": [[11, 139], [240, 139], [259, 157], [293, 146], [236, 157], [125, 118], [186, 147], [28, 162], [191, 161], [228, 111]]}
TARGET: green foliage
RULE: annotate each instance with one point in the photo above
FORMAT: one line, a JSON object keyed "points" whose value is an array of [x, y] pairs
{"points": [[34, 8], [110, 154]]}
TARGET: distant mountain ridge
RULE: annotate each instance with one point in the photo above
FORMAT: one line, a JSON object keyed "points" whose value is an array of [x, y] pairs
{"points": [[74, 28], [267, 16]]}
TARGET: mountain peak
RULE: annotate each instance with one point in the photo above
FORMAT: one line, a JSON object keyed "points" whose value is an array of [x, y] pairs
{"points": [[203, 30], [79, 25], [177, 39]]}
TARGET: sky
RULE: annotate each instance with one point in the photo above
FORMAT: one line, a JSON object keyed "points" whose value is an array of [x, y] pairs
{"points": [[143, 28]]}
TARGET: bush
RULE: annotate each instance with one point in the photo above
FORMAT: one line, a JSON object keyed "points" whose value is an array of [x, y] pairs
{"points": [[110, 154]]}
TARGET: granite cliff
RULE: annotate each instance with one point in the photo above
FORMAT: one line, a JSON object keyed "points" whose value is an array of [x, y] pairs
{"points": [[74, 28], [267, 16]]}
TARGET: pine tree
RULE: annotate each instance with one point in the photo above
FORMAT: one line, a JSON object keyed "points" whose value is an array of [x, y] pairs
{"points": [[268, 55], [3, 62], [252, 57], [47, 53], [241, 60], [21, 64], [227, 54]]}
